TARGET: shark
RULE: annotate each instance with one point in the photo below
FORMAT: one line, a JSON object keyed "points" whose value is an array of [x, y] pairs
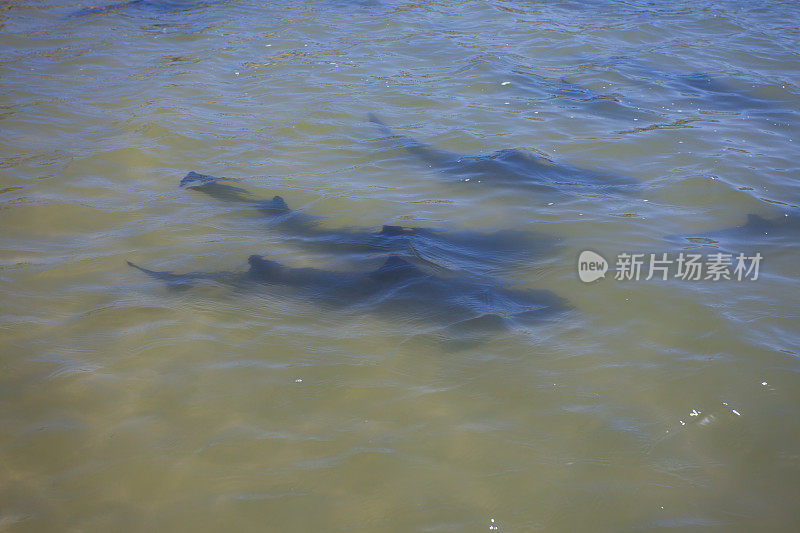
{"points": [[511, 168], [701, 90], [471, 251], [756, 230], [153, 6], [397, 287]]}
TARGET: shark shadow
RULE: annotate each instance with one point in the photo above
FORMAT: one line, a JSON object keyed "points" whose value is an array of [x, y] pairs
{"points": [[397, 288], [704, 91], [456, 250], [526, 84], [757, 230], [717, 94], [513, 169], [152, 6], [574, 96]]}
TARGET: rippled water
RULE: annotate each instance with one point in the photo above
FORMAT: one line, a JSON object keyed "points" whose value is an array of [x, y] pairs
{"points": [[132, 404]]}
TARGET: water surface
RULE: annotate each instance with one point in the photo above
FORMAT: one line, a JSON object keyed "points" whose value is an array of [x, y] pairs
{"points": [[648, 405]]}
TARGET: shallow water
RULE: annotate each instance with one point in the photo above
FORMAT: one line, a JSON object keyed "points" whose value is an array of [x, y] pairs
{"points": [[647, 405]]}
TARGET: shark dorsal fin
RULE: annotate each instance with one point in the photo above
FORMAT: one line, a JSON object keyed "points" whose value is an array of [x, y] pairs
{"points": [[263, 268], [395, 269], [394, 230], [279, 203], [276, 206]]}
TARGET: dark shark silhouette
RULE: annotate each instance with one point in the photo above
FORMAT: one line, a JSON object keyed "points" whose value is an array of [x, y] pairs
{"points": [[398, 287], [756, 230], [455, 250], [574, 96], [528, 84], [708, 92], [702, 90], [153, 6], [512, 168], [714, 92]]}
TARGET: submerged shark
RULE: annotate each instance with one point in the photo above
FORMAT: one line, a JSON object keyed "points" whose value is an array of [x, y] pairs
{"points": [[707, 92], [574, 96], [755, 231], [512, 168], [455, 250], [733, 94], [154, 6], [397, 286]]}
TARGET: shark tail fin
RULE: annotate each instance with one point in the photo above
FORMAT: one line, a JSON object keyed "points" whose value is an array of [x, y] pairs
{"points": [[173, 280], [381, 124], [151, 273], [195, 179]]}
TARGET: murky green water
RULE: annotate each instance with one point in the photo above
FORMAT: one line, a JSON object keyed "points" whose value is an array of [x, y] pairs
{"points": [[130, 405]]}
